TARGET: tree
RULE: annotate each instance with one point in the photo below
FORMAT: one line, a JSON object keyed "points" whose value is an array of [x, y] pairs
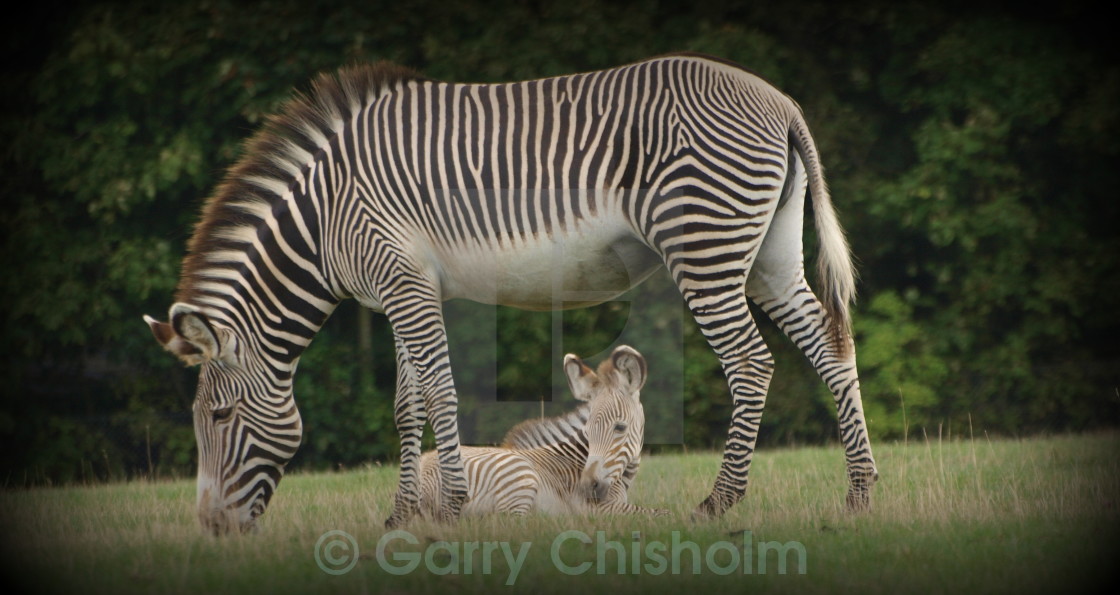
{"points": [[970, 155]]}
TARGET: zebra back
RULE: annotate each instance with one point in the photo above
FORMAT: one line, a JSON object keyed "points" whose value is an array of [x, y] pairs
{"points": [[566, 428]]}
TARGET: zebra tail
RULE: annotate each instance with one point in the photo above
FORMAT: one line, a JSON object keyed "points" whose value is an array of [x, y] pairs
{"points": [[835, 269]]}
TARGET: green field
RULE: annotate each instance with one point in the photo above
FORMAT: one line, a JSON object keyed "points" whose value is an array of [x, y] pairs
{"points": [[973, 515]]}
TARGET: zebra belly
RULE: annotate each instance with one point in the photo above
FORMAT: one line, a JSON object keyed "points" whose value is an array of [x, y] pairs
{"points": [[568, 270], [551, 502]]}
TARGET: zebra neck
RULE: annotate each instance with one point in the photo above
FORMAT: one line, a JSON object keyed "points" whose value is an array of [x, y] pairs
{"points": [[259, 274], [259, 254]]}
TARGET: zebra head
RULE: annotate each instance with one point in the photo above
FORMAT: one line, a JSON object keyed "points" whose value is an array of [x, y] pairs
{"points": [[245, 420], [616, 421]]}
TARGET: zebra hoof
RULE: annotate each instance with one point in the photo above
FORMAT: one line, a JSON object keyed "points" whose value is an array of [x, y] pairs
{"points": [[448, 516], [395, 522], [704, 512], [858, 502], [699, 516], [859, 493], [712, 507]]}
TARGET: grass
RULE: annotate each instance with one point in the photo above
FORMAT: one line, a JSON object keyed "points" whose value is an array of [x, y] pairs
{"points": [[949, 516]]}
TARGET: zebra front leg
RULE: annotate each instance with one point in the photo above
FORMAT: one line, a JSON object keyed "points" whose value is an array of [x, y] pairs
{"points": [[612, 507], [411, 302], [617, 500], [410, 417], [442, 409], [725, 320]]}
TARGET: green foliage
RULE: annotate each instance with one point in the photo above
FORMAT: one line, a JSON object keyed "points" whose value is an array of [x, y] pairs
{"points": [[903, 376], [971, 156], [1003, 255], [348, 420]]}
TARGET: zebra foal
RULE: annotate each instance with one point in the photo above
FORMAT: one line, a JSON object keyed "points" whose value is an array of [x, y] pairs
{"points": [[580, 462]]}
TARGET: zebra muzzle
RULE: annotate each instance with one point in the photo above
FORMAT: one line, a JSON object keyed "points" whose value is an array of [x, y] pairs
{"points": [[598, 490], [592, 485]]}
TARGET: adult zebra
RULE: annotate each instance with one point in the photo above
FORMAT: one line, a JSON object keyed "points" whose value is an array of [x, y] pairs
{"points": [[403, 192], [578, 462]]}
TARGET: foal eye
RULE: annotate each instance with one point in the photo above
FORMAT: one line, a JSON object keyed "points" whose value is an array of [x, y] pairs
{"points": [[222, 414], [620, 427]]}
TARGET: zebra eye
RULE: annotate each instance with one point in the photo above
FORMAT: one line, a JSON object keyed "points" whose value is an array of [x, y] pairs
{"points": [[222, 414], [620, 427]]}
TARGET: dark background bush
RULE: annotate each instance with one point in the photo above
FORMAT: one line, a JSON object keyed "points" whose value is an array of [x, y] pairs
{"points": [[971, 154]]}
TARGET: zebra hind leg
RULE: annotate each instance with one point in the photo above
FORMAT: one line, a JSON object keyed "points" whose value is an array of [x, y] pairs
{"points": [[523, 498], [777, 285], [724, 318], [800, 315]]}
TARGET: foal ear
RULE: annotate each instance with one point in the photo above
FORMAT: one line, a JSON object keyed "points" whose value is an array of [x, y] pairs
{"points": [[630, 369], [581, 379]]}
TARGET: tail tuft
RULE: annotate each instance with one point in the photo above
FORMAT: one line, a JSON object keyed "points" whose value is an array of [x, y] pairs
{"points": [[834, 261]]}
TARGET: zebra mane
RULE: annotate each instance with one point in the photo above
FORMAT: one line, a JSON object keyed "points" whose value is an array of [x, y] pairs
{"points": [[565, 428], [277, 157]]}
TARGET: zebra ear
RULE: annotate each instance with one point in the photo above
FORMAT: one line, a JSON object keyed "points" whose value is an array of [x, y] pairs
{"points": [[581, 379], [630, 369], [172, 342], [189, 335]]}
